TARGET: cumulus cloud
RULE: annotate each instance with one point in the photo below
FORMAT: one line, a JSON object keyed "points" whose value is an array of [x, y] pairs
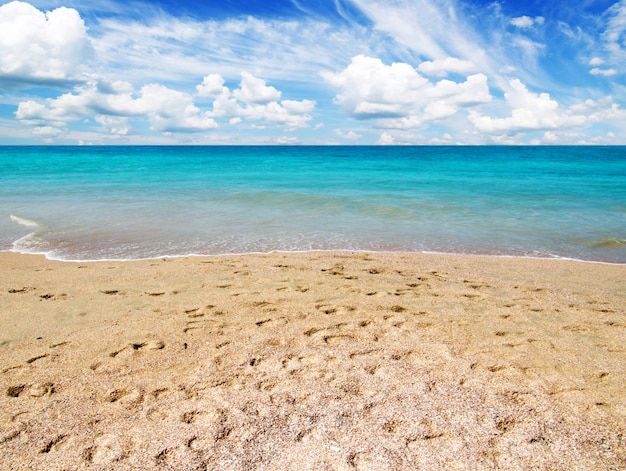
{"points": [[278, 114], [256, 101], [113, 124], [254, 90], [397, 96], [167, 110], [348, 135], [527, 21], [529, 111], [113, 104], [538, 111], [386, 139], [41, 48], [605, 72], [595, 70], [212, 85], [172, 110], [602, 110]]}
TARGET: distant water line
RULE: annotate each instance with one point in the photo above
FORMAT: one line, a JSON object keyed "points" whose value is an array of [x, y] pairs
{"points": [[93, 203]]}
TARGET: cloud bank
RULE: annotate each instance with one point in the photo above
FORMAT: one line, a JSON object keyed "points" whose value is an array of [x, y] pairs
{"points": [[168, 110]]}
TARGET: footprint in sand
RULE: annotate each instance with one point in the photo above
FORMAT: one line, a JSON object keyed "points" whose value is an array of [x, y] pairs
{"points": [[211, 326], [106, 449], [128, 397], [332, 310], [32, 390], [133, 347], [338, 339], [54, 444], [39, 357], [48, 296], [180, 457], [25, 289]]}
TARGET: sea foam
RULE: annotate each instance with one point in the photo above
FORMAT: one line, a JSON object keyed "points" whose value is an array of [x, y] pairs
{"points": [[23, 221]]}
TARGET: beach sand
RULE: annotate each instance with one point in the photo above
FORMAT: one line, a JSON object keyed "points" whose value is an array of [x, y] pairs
{"points": [[312, 361]]}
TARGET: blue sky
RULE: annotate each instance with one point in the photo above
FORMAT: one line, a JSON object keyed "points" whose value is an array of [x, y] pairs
{"points": [[313, 72]]}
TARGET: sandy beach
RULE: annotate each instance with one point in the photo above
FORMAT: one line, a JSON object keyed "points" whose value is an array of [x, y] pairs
{"points": [[312, 361]]}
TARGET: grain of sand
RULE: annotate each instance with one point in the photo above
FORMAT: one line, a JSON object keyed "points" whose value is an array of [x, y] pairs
{"points": [[312, 361]]}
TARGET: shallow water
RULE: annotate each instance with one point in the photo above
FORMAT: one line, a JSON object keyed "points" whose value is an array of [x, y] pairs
{"points": [[89, 203]]}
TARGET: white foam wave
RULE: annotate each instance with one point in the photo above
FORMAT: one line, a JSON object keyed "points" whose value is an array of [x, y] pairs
{"points": [[23, 221]]}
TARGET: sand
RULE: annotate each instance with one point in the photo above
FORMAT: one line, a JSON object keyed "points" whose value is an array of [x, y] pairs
{"points": [[312, 361]]}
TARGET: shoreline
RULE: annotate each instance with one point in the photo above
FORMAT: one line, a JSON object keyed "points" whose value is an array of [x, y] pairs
{"points": [[312, 360], [313, 251]]}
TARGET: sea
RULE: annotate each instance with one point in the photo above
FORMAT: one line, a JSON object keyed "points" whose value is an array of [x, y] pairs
{"points": [[81, 203]]}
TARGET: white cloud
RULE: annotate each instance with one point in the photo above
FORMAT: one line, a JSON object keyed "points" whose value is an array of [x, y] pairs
{"points": [[113, 104], [530, 49], [599, 111], [527, 21], [538, 111], [605, 72], [614, 41], [255, 100], [507, 69], [446, 139], [278, 114], [431, 28], [298, 107], [254, 90], [113, 124], [47, 131], [442, 67], [171, 110], [616, 27], [288, 140], [167, 48], [386, 139], [522, 22], [167, 110], [529, 111], [212, 85], [397, 96], [349, 135], [38, 47], [393, 93]]}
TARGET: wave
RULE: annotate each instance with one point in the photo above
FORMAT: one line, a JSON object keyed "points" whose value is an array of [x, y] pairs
{"points": [[608, 242], [23, 221]]}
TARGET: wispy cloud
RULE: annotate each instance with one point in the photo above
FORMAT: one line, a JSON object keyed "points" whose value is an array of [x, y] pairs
{"points": [[614, 35]]}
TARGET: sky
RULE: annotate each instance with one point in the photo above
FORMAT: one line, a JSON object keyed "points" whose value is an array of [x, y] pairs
{"points": [[325, 72]]}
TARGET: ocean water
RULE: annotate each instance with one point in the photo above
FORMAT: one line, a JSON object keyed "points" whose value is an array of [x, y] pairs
{"points": [[94, 203]]}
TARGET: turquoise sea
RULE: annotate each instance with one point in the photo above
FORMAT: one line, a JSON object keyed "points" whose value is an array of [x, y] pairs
{"points": [[93, 203]]}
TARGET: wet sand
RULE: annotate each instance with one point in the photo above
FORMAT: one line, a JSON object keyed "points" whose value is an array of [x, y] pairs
{"points": [[312, 361]]}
